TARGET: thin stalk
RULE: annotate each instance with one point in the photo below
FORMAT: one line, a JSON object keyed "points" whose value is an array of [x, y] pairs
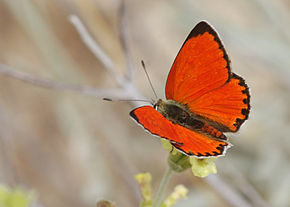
{"points": [[165, 179]]}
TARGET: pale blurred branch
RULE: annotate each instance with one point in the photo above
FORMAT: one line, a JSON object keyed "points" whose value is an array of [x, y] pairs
{"points": [[127, 85], [124, 35], [46, 83], [94, 47]]}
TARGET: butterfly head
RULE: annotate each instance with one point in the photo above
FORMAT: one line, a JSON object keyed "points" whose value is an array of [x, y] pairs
{"points": [[157, 103], [172, 110]]}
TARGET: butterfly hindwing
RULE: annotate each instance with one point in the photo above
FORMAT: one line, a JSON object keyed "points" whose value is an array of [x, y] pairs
{"points": [[226, 107], [187, 141]]}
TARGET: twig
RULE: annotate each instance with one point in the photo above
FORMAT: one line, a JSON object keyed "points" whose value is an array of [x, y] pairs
{"points": [[127, 85], [96, 92], [95, 48], [124, 39]]}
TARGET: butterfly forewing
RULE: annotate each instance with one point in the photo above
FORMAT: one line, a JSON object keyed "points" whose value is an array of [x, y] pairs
{"points": [[201, 79], [200, 66]]}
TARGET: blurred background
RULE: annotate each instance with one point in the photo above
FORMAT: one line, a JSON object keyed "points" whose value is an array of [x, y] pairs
{"points": [[72, 149]]}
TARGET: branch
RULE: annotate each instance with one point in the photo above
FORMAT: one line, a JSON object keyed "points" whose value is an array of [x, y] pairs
{"points": [[95, 48], [45, 83], [124, 39], [126, 84]]}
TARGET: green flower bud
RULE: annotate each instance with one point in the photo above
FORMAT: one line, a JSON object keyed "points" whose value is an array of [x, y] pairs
{"points": [[178, 161]]}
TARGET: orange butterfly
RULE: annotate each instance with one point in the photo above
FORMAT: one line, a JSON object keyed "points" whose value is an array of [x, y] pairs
{"points": [[204, 98]]}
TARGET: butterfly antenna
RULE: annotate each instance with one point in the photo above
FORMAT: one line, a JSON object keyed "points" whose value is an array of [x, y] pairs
{"points": [[110, 99], [144, 67]]}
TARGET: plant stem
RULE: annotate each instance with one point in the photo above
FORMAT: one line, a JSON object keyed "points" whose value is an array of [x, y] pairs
{"points": [[162, 186]]}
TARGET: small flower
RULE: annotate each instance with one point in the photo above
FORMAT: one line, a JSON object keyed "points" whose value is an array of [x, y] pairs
{"points": [[144, 180], [203, 167], [179, 192], [14, 197]]}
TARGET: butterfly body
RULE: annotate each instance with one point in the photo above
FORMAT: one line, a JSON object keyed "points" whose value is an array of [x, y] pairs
{"points": [[204, 98], [180, 114]]}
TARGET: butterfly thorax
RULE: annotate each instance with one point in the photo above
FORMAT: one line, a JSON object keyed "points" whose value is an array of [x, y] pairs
{"points": [[180, 114]]}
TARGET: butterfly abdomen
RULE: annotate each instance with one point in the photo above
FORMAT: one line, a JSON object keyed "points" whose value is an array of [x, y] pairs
{"points": [[213, 131]]}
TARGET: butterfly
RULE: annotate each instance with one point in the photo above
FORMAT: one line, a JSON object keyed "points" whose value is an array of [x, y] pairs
{"points": [[204, 98]]}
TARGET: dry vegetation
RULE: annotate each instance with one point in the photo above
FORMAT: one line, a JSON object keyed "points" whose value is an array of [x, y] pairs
{"points": [[72, 149]]}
